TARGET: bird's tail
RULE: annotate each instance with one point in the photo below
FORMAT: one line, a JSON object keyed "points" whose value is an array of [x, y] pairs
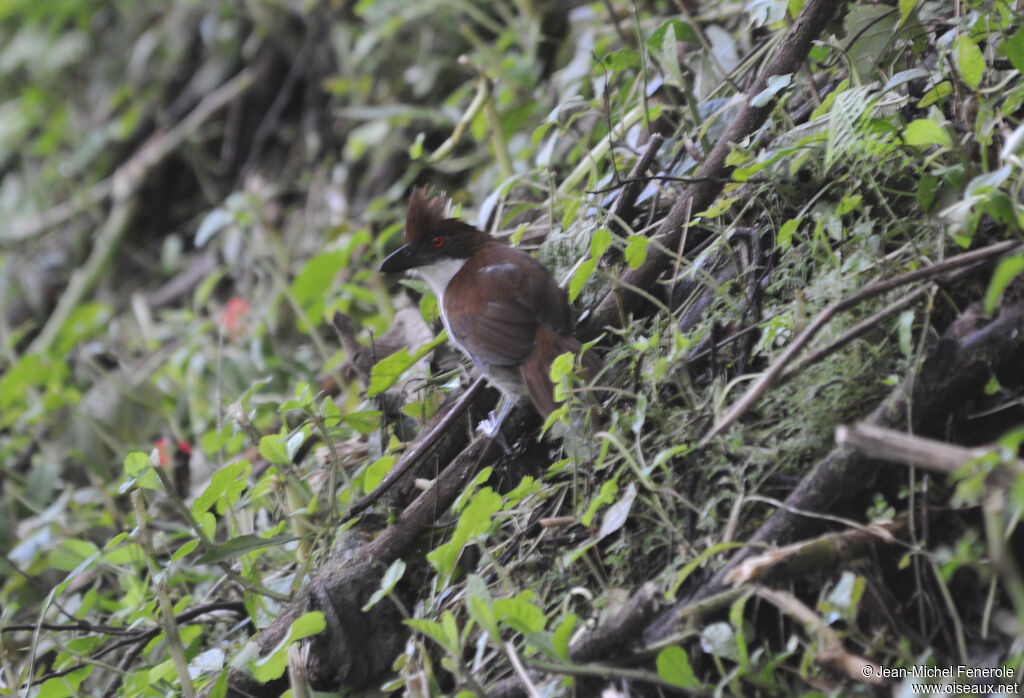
{"points": [[536, 370]]}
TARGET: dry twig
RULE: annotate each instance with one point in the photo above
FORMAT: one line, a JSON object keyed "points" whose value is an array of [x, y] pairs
{"points": [[830, 647]]}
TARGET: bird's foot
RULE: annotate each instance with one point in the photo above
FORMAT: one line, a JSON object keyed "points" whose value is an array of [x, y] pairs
{"points": [[489, 427]]}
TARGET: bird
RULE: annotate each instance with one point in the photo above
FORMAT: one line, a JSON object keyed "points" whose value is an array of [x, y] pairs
{"points": [[501, 307]]}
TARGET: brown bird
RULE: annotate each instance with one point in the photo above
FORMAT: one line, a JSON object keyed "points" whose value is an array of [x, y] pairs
{"points": [[501, 307]]}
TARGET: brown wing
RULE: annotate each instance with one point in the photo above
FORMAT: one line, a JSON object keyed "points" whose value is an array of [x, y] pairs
{"points": [[514, 294]]}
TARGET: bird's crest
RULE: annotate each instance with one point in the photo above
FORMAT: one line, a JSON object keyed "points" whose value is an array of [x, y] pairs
{"points": [[426, 213]]}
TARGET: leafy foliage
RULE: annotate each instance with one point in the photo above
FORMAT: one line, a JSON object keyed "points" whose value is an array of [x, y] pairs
{"points": [[896, 145]]}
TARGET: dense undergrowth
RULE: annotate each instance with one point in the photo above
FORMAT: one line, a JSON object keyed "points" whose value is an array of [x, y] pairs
{"points": [[203, 372]]}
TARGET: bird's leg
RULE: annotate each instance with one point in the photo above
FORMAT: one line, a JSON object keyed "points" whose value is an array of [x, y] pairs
{"points": [[491, 426]]}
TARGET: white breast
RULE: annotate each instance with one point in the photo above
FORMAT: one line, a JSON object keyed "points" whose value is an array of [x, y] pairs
{"points": [[438, 274]]}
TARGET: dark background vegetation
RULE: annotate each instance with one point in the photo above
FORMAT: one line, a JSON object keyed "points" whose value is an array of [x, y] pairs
{"points": [[773, 218]]}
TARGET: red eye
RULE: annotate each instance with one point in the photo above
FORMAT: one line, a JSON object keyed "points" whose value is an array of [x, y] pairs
{"points": [[437, 241]]}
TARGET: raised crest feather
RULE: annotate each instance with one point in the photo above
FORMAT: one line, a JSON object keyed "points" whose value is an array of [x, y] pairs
{"points": [[425, 213]]}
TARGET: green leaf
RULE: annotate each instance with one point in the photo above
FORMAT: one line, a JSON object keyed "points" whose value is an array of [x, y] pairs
{"points": [[428, 308], [992, 387], [527, 486], [146, 477], [273, 448], [451, 630], [785, 237], [207, 524], [70, 553], [238, 546], [668, 56], [906, 7], [830, 98], [636, 250], [185, 549], [470, 491], [1006, 271], [850, 202], [563, 633], [682, 30], [434, 631], [721, 205], [540, 132], [870, 28], [83, 322], [600, 241], [424, 409], [474, 520], [736, 619], [365, 422], [481, 608], [377, 471], [164, 671], [1014, 49], [558, 414], [273, 665], [519, 613], [933, 95], [389, 369], [226, 483], [214, 439], [583, 273], [569, 216], [27, 372], [64, 686], [314, 280], [517, 236], [204, 290], [606, 495], [622, 59], [927, 189], [391, 577], [478, 126], [774, 85], [693, 564], [561, 367], [904, 327], [926, 132], [220, 686], [416, 149], [303, 397], [124, 554], [674, 666], [331, 412], [970, 62], [135, 462]]}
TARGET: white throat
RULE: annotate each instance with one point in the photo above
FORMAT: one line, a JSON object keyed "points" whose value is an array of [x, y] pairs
{"points": [[438, 274]]}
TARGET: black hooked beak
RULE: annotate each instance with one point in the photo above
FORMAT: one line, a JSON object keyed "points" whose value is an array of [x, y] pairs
{"points": [[402, 259]]}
